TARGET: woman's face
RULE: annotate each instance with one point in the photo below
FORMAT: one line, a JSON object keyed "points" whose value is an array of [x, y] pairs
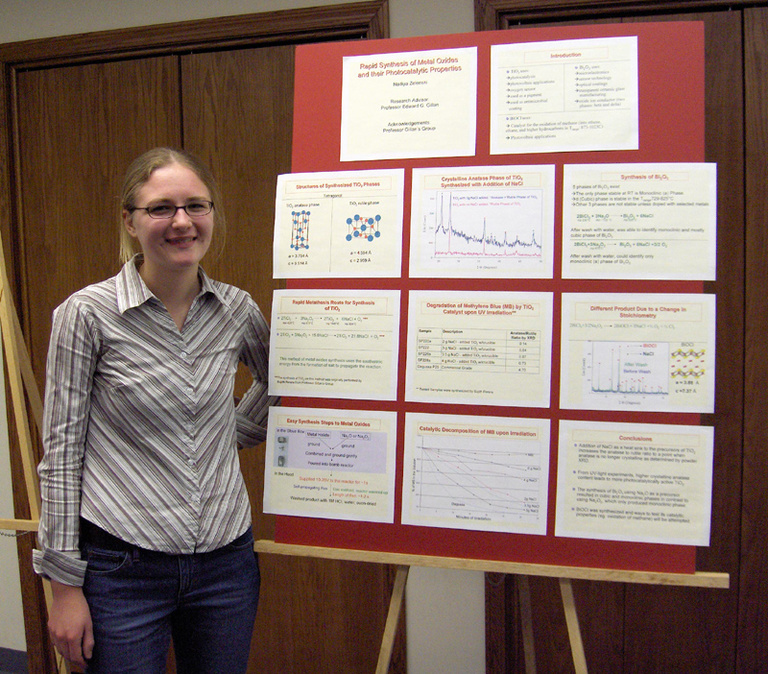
{"points": [[179, 241]]}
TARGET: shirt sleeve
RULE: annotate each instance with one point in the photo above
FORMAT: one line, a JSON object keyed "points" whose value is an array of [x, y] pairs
{"points": [[253, 410], [72, 357]]}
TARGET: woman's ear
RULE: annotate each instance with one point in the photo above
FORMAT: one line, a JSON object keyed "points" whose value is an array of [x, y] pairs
{"points": [[128, 222]]}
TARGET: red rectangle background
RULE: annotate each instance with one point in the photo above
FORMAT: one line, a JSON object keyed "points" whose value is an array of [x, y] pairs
{"points": [[671, 129]]}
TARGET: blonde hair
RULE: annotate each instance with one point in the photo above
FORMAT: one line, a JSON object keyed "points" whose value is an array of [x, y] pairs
{"points": [[140, 171]]}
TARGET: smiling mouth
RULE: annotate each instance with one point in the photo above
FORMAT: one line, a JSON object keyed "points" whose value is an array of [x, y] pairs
{"points": [[181, 240]]}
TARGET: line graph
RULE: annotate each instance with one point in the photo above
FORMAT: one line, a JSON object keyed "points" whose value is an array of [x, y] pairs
{"points": [[483, 483], [488, 221], [485, 224], [633, 368], [650, 352]]}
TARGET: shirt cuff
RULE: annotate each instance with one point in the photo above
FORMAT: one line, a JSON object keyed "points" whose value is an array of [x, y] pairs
{"points": [[63, 567]]}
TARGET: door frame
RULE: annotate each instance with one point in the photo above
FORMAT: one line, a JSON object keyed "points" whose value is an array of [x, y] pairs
{"points": [[504, 14], [347, 21]]}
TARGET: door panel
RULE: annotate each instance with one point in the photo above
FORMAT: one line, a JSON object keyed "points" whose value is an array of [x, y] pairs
{"points": [[752, 653], [707, 617], [79, 127]]}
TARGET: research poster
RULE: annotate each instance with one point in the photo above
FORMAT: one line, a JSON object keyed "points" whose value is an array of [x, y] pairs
{"points": [[477, 473], [479, 348], [644, 352], [339, 224], [337, 464], [482, 221], [334, 343], [502, 239], [567, 95], [409, 104], [647, 483], [639, 221]]}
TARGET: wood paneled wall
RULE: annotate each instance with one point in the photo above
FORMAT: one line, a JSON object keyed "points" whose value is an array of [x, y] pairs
{"points": [[105, 91]]}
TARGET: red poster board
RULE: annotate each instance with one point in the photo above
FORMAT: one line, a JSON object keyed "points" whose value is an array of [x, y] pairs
{"points": [[671, 129]]}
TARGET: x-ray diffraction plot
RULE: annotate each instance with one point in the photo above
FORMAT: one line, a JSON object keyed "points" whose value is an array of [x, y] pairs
{"points": [[484, 222], [478, 225]]}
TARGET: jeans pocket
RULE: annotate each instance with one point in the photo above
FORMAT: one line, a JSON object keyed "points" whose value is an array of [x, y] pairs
{"points": [[104, 562]]}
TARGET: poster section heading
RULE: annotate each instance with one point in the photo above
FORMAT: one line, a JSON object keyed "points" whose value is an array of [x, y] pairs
{"points": [[476, 473], [640, 221], [482, 222], [335, 344], [339, 224], [646, 352], [489, 348], [564, 96], [330, 463], [646, 483]]}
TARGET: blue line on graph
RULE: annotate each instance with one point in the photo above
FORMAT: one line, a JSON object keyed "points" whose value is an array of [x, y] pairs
{"points": [[481, 244]]}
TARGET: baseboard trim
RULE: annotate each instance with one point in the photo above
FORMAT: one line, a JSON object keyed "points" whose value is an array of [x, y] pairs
{"points": [[14, 662]]}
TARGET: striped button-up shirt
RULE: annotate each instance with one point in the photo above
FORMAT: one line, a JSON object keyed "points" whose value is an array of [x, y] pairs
{"points": [[140, 427]]}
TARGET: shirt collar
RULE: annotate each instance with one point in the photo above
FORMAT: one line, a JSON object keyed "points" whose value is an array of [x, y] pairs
{"points": [[133, 292]]}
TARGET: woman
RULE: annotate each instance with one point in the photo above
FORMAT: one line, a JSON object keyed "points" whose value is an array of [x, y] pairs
{"points": [[145, 526]]}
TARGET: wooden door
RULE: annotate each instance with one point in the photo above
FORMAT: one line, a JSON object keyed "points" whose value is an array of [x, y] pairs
{"points": [[636, 628], [79, 112], [78, 129]]}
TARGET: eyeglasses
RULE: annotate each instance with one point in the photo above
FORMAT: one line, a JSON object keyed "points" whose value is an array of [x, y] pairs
{"points": [[163, 211]]}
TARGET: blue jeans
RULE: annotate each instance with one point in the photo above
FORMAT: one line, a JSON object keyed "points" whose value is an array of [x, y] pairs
{"points": [[140, 599]]}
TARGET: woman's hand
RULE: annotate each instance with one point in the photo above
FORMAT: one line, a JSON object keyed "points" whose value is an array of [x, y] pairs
{"points": [[69, 624]]}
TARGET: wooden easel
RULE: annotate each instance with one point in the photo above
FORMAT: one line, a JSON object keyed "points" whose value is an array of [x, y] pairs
{"points": [[24, 391], [565, 574]]}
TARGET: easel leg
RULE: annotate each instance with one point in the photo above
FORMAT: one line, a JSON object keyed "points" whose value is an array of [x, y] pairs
{"points": [[21, 381], [526, 620], [390, 628], [572, 621]]}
